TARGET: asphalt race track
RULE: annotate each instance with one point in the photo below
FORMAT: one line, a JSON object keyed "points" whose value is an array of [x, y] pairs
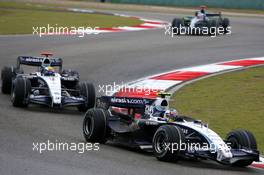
{"points": [[104, 59]]}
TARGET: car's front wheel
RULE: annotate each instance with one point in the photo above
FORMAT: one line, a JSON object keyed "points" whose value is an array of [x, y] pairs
{"points": [[242, 139], [168, 142], [7, 75], [226, 24], [20, 92], [87, 91]]}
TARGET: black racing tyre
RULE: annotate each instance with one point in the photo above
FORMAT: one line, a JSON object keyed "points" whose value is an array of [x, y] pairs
{"points": [[21, 88], [225, 24], [87, 91], [176, 24], [239, 139], [7, 75], [166, 138], [95, 125]]}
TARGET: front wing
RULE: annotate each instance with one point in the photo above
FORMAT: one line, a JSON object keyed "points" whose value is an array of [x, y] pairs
{"points": [[65, 101]]}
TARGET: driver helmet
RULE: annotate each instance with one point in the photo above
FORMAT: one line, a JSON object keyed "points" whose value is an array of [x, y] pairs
{"points": [[171, 113], [202, 7], [49, 71], [160, 107]]}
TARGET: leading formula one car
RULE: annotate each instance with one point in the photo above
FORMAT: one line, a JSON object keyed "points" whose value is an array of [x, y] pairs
{"points": [[150, 125], [202, 23], [46, 86]]}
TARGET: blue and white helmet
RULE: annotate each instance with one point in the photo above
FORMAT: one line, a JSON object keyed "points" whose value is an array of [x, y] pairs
{"points": [[171, 113], [159, 107]]}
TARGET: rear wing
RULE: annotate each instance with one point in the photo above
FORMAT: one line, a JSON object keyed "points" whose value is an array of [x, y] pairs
{"points": [[37, 61], [125, 102], [213, 14]]}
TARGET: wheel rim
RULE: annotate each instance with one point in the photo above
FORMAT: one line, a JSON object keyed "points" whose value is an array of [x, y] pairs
{"points": [[234, 143], [160, 143], [88, 128], [13, 94]]}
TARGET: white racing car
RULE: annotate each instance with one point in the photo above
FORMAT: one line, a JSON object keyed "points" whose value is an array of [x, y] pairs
{"points": [[150, 125], [202, 23], [47, 86]]}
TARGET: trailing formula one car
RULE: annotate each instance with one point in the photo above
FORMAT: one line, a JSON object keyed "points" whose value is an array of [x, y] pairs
{"points": [[56, 89], [150, 125], [202, 23]]}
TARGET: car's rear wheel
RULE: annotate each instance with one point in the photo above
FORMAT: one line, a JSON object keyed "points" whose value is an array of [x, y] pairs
{"points": [[240, 139], [87, 91], [167, 143], [226, 24], [7, 75], [20, 92], [95, 128]]}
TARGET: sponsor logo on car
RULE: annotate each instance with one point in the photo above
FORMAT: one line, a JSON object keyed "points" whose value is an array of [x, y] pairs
{"points": [[127, 100], [32, 59]]}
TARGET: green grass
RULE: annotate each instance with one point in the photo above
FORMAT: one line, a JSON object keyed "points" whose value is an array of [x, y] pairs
{"points": [[216, 9], [23, 5], [226, 102], [18, 18]]}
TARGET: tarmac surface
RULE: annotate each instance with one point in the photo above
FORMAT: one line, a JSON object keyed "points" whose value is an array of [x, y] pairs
{"points": [[104, 59]]}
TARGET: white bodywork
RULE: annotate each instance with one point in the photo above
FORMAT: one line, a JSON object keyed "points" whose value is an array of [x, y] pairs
{"points": [[54, 84], [216, 143], [200, 17]]}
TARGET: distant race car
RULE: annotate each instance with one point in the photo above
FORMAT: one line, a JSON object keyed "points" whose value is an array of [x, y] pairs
{"points": [[150, 125], [202, 23], [47, 86]]}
